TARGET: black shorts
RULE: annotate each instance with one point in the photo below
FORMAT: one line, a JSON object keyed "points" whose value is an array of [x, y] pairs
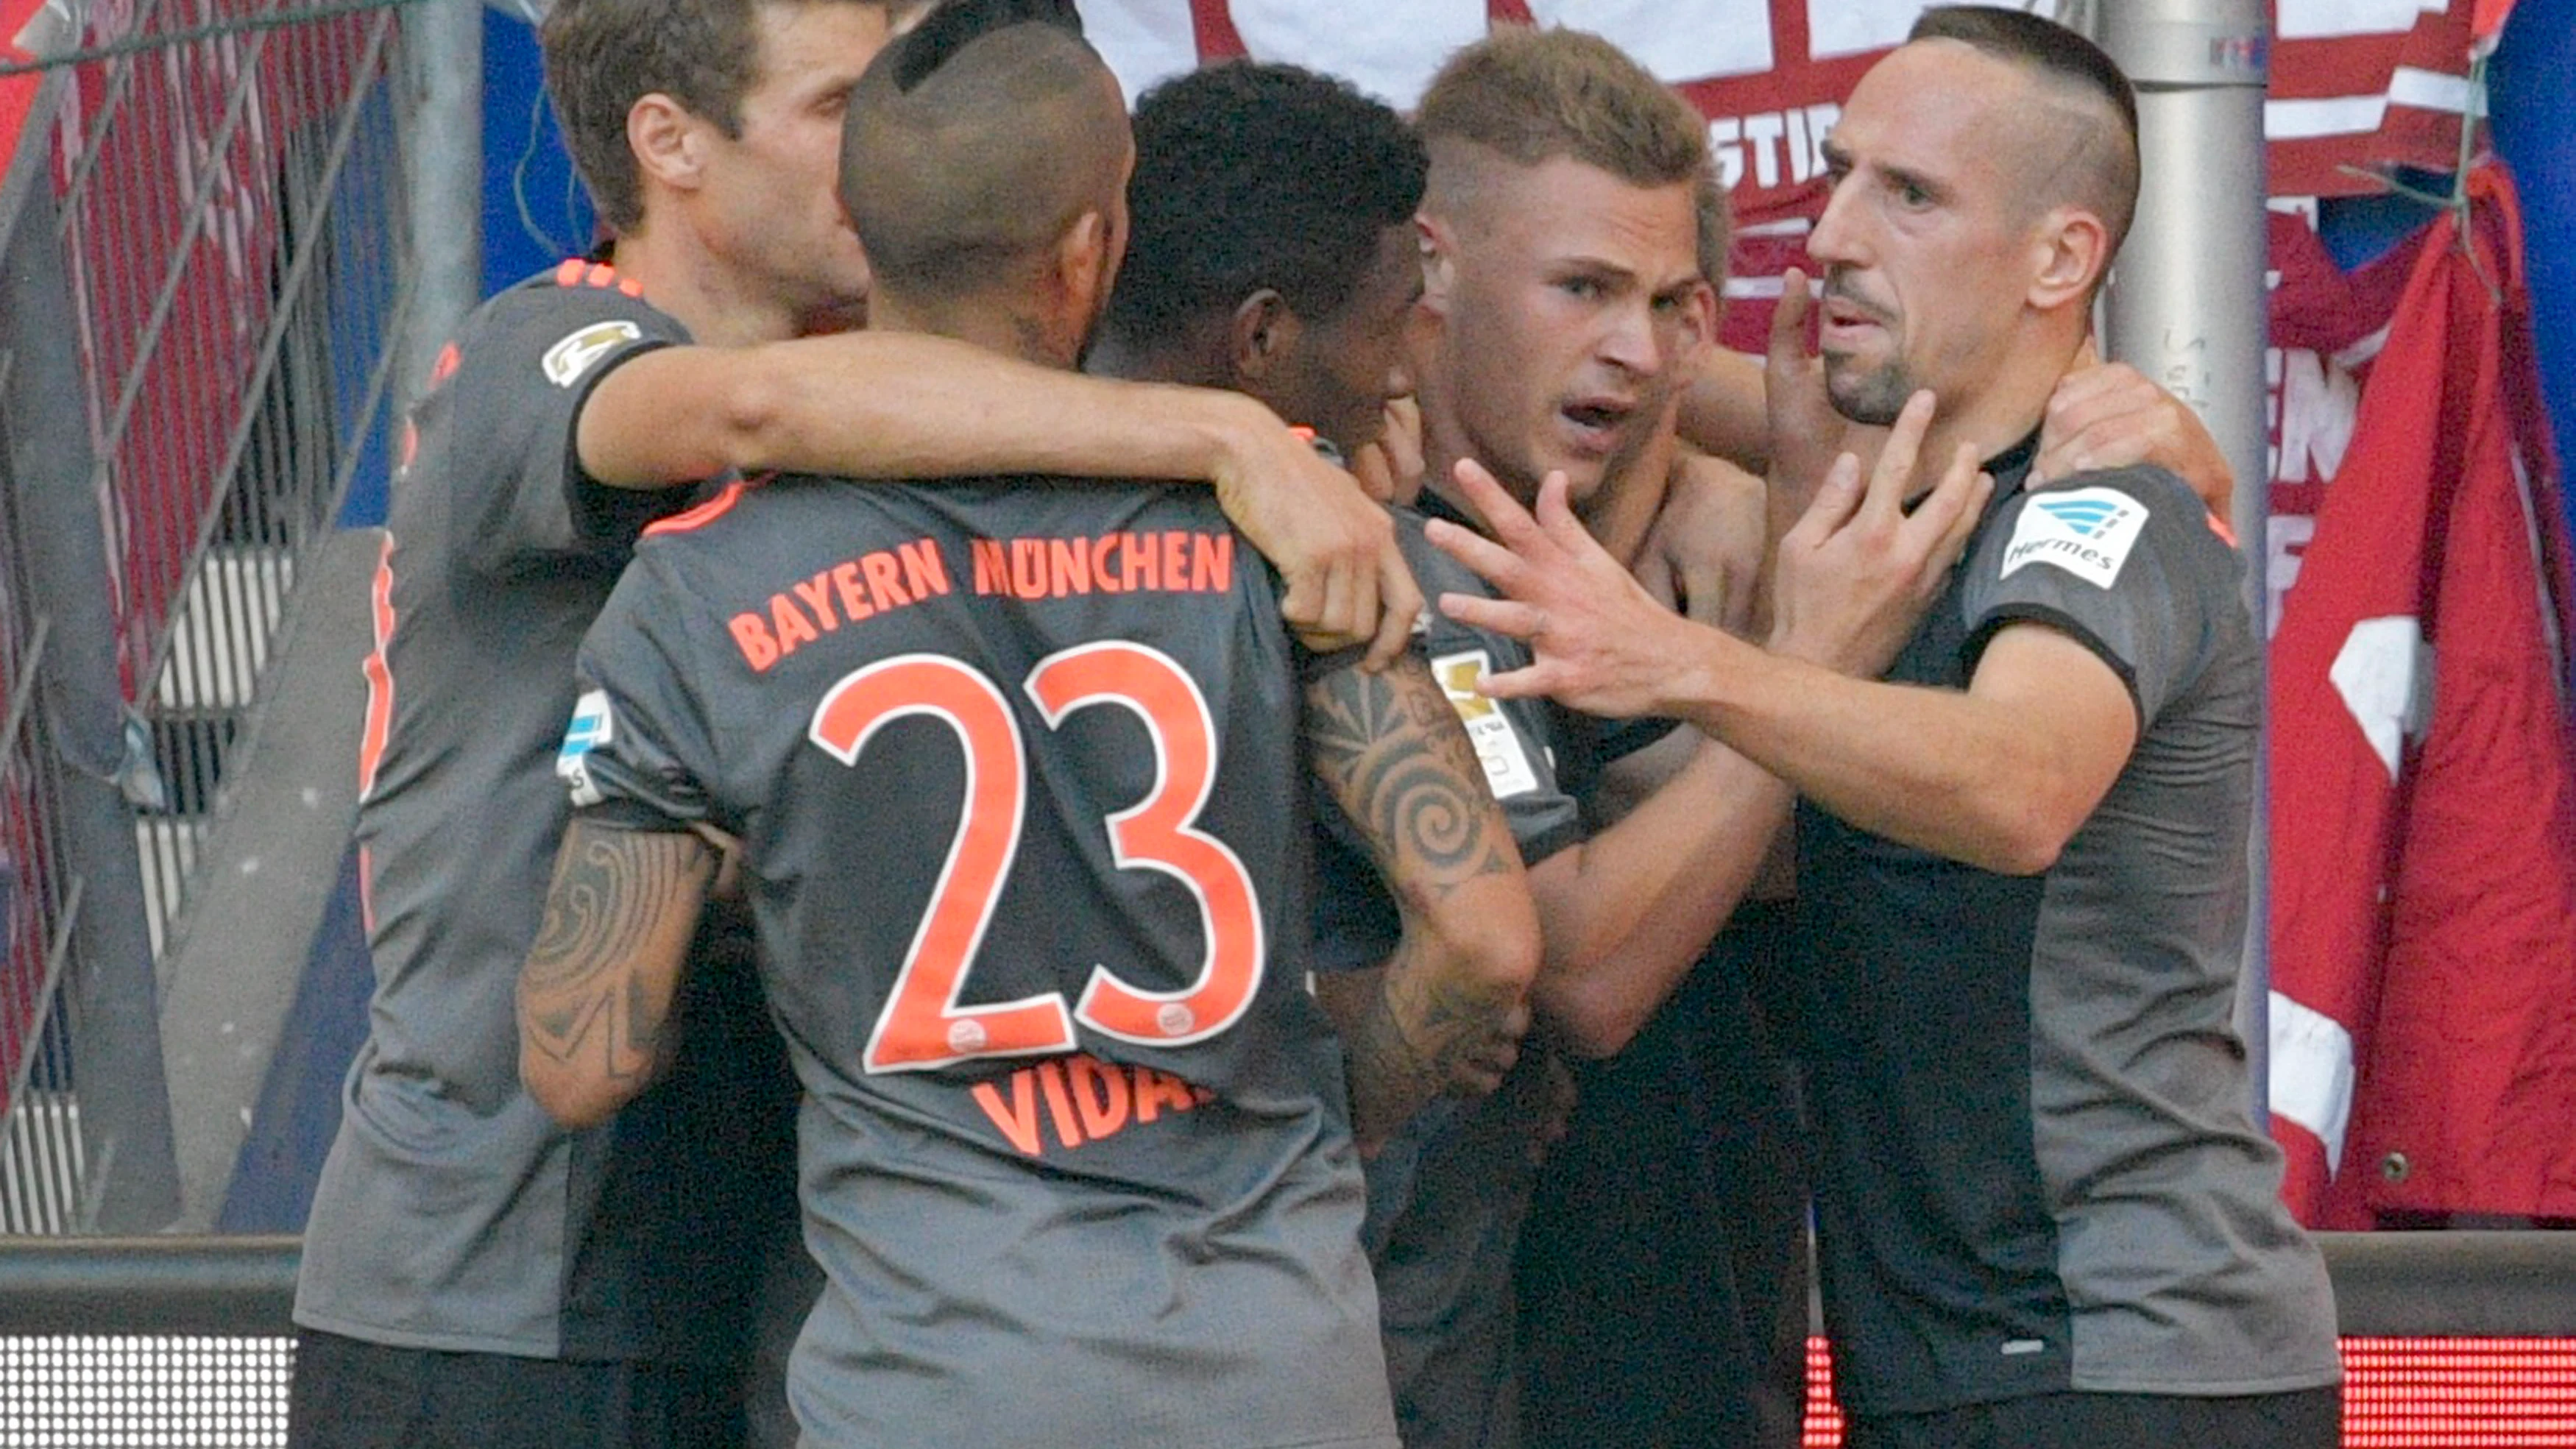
{"points": [[348, 1394], [2310, 1419]]}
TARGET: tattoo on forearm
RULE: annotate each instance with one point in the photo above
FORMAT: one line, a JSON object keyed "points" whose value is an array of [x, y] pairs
{"points": [[1391, 748], [1418, 1040], [581, 990]]}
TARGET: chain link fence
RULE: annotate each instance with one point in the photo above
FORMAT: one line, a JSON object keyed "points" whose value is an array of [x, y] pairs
{"points": [[211, 195]]}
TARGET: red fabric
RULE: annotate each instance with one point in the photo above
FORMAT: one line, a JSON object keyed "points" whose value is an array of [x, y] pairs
{"points": [[2364, 66], [17, 93], [2434, 916]]}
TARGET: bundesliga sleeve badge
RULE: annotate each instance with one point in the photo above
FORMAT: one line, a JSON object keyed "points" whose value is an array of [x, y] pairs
{"points": [[2088, 532], [592, 726], [1498, 745], [572, 356]]}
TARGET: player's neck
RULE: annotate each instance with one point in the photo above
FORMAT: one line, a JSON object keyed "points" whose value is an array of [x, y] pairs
{"points": [[1000, 325], [2008, 408], [1116, 354], [718, 306]]}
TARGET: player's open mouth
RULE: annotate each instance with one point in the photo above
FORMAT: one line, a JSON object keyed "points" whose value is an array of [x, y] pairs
{"points": [[1842, 322], [1596, 422]]}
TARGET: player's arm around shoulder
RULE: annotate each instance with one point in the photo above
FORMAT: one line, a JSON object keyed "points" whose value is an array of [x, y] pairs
{"points": [[899, 405], [595, 995], [1453, 998]]}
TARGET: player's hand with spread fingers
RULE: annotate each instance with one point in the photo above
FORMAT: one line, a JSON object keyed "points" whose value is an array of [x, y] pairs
{"points": [[1856, 573], [1333, 545], [1603, 645], [2109, 415]]}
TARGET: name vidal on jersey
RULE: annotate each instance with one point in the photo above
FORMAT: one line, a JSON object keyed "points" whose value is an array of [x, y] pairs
{"points": [[1083, 1098], [1173, 561]]}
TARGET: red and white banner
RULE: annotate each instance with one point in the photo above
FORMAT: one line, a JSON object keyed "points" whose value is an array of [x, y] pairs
{"points": [[2354, 82]]}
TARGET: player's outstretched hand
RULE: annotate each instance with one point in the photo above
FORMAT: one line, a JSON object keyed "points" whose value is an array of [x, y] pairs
{"points": [[2108, 415], [1856, 573], [1333, 545], [1601, 643]]}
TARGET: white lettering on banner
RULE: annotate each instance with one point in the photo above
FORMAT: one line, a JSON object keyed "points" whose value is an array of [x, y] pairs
{"points": [[1852, 27], [2384, 675], [2285, 547], [1679, 40], [1388, 51], [1775, 147], [2315, 405], [2317, 19], [2311, 1067], [1144, 41]]}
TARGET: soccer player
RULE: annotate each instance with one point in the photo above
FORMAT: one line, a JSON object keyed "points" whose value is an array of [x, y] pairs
{"points": [[2044, 1216], [472, 1274], [1015, 773]]}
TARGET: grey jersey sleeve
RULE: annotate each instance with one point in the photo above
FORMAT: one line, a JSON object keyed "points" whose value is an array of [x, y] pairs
{"points": [[639, 751], [536, 354], [2125, 562], [1356, 924]]}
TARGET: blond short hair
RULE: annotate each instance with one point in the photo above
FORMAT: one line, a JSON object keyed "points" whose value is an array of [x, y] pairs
{"points": [[1529, 96]]}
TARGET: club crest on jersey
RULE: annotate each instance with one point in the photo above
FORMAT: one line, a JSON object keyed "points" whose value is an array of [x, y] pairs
{"points": [[1498, 745], [592, 726], [2088, 532], [568, 359]]}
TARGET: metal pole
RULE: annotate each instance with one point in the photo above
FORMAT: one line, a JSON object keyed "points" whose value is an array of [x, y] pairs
{"points": [[112, 1004], [2187, 304], [444, 42]]}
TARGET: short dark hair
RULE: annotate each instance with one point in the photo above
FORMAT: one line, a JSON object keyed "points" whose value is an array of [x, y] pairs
{"points": [[1250, 176], [602, 56], [972, 145], [2107, 166]]}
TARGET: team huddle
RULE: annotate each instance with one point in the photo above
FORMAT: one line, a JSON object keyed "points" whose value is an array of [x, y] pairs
{"points": [[1023, 761]]}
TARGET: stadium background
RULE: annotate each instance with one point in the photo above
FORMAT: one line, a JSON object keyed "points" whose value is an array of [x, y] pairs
{"points": [[232, 254]]}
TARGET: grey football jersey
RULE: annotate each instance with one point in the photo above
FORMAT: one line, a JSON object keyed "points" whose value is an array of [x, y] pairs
{"points": [[451, 1213], [2038, 1168], [1017, 775]]}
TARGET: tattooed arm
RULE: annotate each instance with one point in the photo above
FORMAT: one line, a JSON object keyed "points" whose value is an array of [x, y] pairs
{"points": [[1449, 1006], [595, 995]]}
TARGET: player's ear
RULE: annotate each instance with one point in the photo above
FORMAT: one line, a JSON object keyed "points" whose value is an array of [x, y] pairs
{"points": [[1085, 266], [1437, 242], [667, 141], [2070, 247], [1259, 334]]}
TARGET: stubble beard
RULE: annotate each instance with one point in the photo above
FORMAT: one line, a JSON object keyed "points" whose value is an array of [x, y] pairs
{"points": [[1871, 397]]}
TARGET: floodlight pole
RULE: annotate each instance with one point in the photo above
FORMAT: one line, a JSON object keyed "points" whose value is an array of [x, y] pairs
{"points": [[2188, 305]]}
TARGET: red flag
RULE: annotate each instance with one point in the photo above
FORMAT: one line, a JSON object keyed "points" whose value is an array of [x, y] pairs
{"points": [[2423, 929]]}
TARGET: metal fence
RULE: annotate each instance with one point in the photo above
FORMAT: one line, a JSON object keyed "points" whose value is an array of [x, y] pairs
{"points": [[208, 265]]}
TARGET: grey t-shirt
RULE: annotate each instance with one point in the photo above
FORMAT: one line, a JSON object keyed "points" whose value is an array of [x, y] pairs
{"points": [[1017, 775], [451, 1213], [2038, 1170]]}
